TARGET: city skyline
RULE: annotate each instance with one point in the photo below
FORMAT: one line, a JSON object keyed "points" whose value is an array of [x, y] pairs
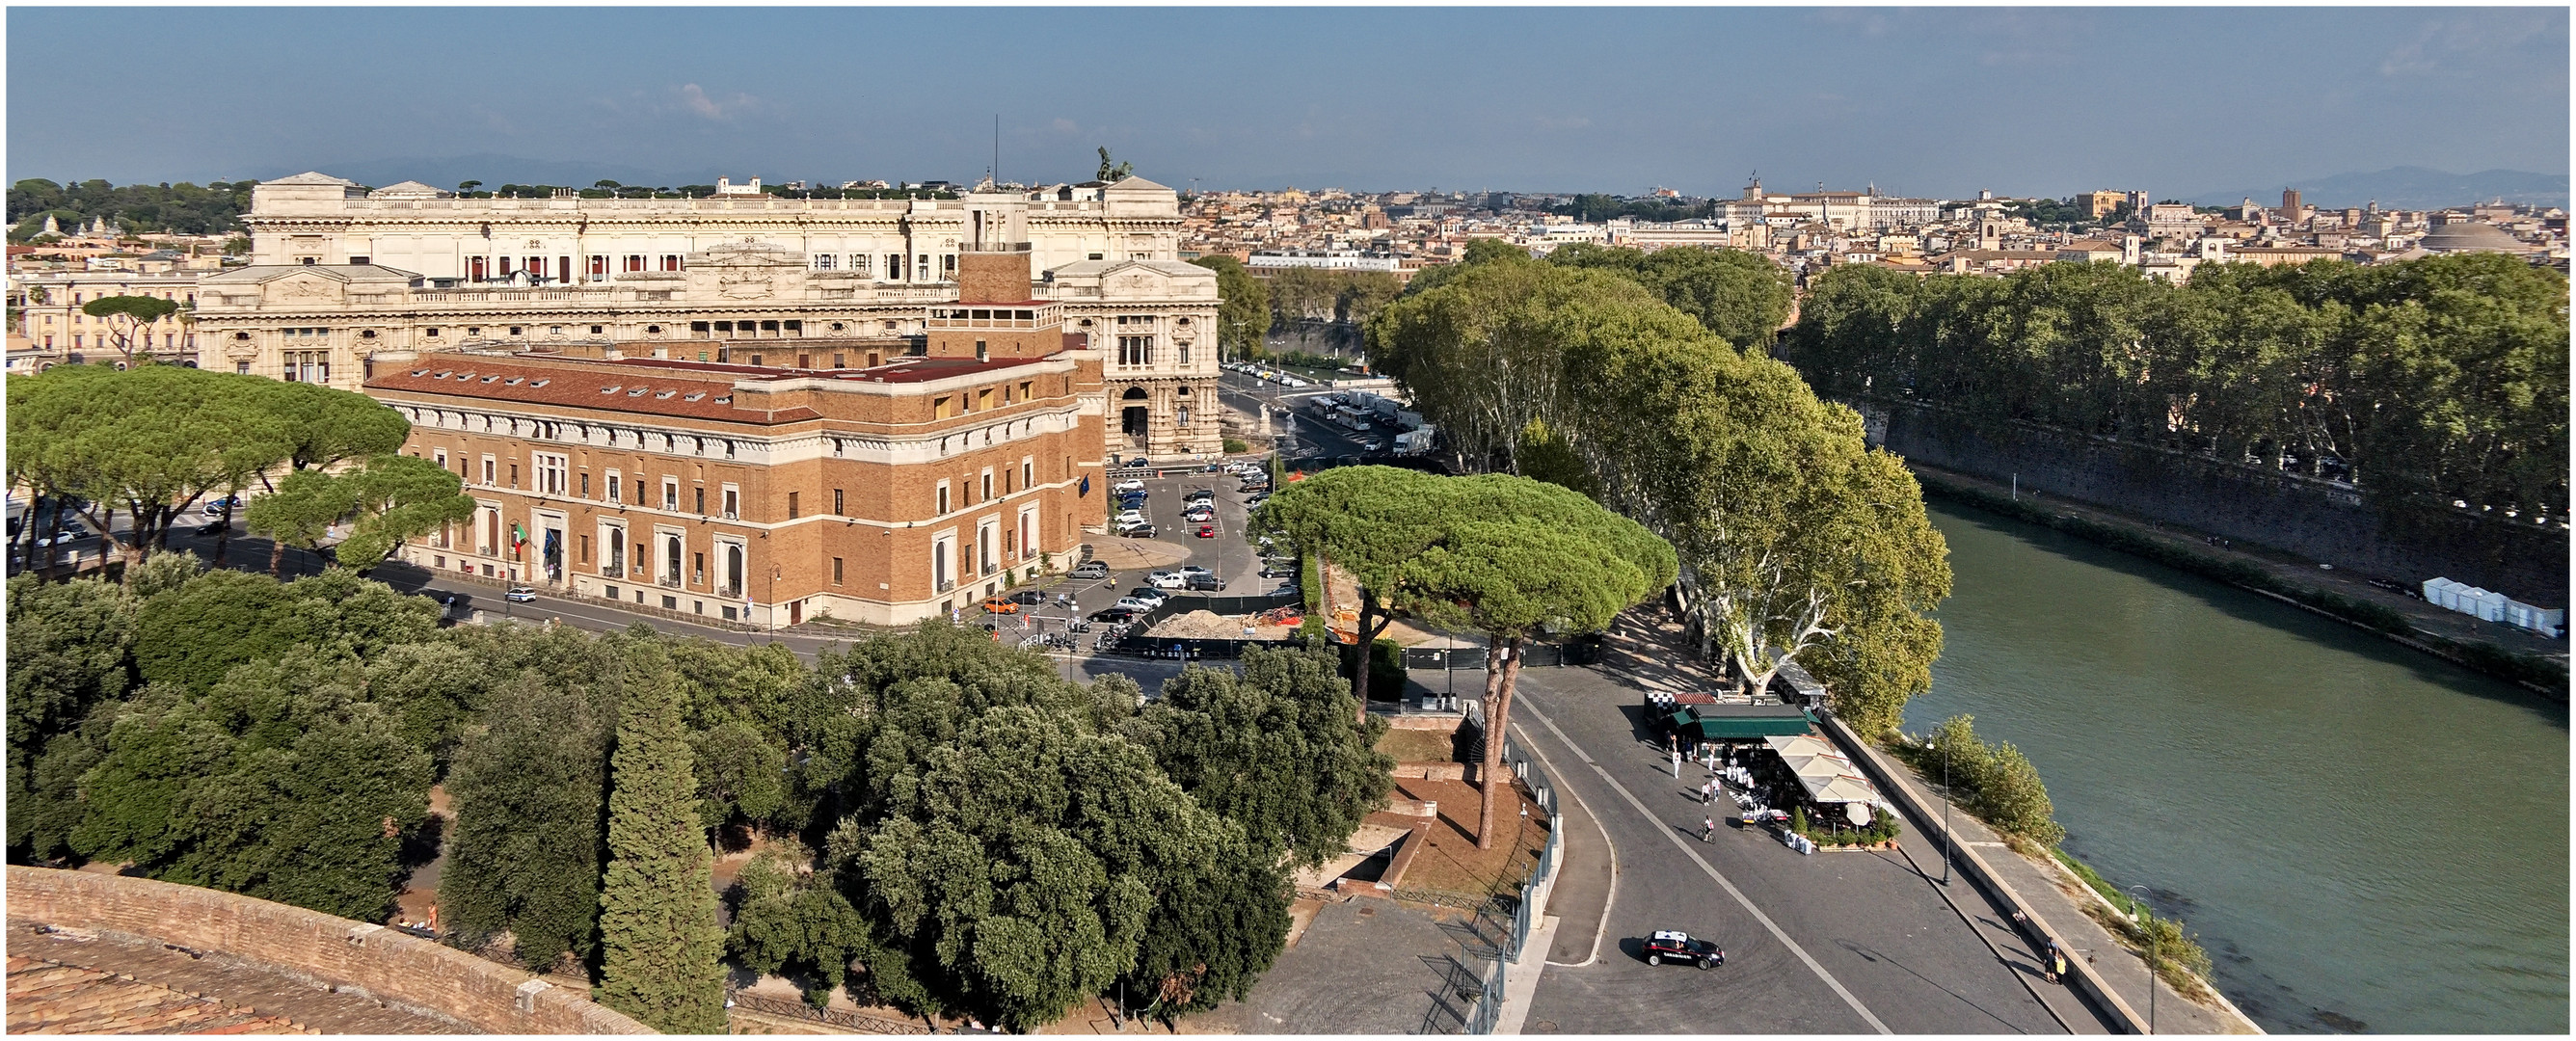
{"points": [[1456, 99]]}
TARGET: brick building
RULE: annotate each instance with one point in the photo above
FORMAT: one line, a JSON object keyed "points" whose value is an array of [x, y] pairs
{"points": [[748, 488]]}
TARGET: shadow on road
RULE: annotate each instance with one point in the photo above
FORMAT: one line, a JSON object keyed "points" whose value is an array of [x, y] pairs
{"points": [[1869, 954]]}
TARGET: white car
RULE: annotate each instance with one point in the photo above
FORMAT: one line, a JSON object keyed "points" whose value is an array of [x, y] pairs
{"points": [[1168, 580], [1133, 604], [1131, 517], [1128, 486], [1194, 569], [520, 594]]}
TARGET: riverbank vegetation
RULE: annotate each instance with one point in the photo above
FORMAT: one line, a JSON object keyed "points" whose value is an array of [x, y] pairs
{"points": [[1795, 540], [1998, 785], [969, 817], [2531, 670], [2435, 380]]}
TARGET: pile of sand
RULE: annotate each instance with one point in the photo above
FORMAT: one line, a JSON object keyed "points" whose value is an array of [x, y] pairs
{"points": [[1199, 625]]}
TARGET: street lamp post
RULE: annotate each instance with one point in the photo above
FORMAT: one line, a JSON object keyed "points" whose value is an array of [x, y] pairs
{"points": [[773, 603], [1948, 842], [2146, 919]]}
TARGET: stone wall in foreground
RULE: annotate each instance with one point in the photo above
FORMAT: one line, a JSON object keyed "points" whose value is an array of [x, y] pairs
{"points": [[379, 961]]}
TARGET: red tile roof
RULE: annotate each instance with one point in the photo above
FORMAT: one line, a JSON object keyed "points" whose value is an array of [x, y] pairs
{"points": [[610, 389]]}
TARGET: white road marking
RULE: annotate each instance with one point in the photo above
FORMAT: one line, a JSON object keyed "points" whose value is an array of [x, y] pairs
{"points": [[1602, 927], [1776, 932]]}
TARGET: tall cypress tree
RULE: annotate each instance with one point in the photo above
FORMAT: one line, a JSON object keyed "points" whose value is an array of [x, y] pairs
{"points": [[657, 921]]}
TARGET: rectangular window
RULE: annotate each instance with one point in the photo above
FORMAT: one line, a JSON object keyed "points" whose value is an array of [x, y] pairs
{"points": [[859, 264], [634, 262], [598, 265], [988, 484], [791, 505], [697, 569], [702, 501], [613, 495], [939, 409], [822, 262], [585, 550], [1028, 473], [984, 399], [670, 262], [671, 494], [943, 497], [732, 503], [1185, 353], [894, 267], [836, 571], [837, 511], [488, 464], [1135, 350]]}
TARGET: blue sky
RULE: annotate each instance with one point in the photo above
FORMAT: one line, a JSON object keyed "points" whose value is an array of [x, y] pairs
{"points": [[1918, 101]]}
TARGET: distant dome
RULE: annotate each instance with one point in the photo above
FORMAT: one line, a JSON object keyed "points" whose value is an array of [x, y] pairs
{"points": [[2471, 237]]}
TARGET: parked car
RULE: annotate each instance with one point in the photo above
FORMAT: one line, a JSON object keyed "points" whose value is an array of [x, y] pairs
{"points": [[1206, 531], [1151, 596], [1206, 584], [217, 506], [1278, 570], [520, 594], [1133, 604], [1131, 517], [1372, 445], [1115, 614], [1199, 516], [1140, 531], [213, 528], [1089, 569], [1167, 580], [1252, 487], [1000, 605], [1187, 570], [1028, 598], [1123, 487], [1200, 495], [1674, 945]]}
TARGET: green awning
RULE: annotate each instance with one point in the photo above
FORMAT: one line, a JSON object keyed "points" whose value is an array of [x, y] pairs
{"points": [[1741, 722]]}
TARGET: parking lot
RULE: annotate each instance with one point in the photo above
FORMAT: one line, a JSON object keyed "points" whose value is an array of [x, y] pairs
{"points": [[1227, 552]]}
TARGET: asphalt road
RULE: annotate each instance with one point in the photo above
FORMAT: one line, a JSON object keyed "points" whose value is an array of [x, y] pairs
{"points": [[1835, 942]]}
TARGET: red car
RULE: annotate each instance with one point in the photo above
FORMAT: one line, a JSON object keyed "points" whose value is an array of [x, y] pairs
{"points": [[1207, 531]]}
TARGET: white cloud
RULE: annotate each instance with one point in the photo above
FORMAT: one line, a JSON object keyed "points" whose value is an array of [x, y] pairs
{"points": [[694, 99], [1063, 126]]}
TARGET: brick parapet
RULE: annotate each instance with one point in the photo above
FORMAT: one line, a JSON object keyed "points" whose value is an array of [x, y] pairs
{"points": [[382, 962]]}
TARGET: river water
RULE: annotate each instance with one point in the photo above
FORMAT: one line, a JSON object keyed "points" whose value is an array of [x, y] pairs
{"points": [[2364, 838]]}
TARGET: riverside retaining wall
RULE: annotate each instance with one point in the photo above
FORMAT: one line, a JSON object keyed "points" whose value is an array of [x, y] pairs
{"points": [[2321, 520], [345, 954]]}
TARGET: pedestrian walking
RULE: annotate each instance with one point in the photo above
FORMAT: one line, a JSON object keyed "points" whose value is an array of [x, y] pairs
{"points": [[1708, 829], [1708, 791], [2055, 965], [1677, 764]]}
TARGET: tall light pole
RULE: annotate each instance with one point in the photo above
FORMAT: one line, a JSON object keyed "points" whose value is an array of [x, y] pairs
{"points": [[773, 603], [2147, 920], [1948, 842]]}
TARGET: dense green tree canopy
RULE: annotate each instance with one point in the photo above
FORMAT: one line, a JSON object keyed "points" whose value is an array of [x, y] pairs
{"points": [[1791, 535], [1243, 307], [529, 796], [1236, 741], [125, 315], [1742, 297], [183, 208], [659, 942], [2443, 378]]}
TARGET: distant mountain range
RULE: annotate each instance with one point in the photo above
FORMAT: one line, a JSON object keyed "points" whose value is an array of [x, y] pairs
{"points": [[2405, 188]]}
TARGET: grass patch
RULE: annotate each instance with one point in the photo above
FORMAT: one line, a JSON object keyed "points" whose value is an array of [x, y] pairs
{"points": [[1418, 746]]}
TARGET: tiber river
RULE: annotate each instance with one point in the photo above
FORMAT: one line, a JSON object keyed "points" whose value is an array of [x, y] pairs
{"points": [[2365, 838]]}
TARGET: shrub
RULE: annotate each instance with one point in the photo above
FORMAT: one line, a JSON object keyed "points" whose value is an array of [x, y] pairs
{"points": [[1386, 670], [1234, 446]]}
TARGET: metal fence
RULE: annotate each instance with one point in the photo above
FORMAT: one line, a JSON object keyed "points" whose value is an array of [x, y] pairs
{"points": [[1487, 1011]]}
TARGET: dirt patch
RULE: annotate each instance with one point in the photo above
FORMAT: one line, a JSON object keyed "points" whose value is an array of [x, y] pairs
{"points": [[1449, 860], [1208, 625]]}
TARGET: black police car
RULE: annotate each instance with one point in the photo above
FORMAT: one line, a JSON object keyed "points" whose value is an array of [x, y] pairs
{"points": [[1676, 946]]}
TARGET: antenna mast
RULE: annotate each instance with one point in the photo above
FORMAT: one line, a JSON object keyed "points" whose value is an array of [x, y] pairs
{"points": [[996, 171]]}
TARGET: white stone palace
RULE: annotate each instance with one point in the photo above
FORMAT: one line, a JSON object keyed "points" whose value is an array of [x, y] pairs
{"points": [[340, 273]]}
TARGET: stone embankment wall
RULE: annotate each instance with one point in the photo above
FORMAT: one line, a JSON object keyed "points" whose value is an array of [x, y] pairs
{"points": [[373, 959], [2320, 520]]}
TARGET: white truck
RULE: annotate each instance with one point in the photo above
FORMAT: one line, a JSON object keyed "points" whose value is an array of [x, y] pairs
{"points": [[1413, 442]]}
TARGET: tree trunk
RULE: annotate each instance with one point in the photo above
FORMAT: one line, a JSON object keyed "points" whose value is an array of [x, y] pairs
{"points": [[224, 536], [1502, 668], [276, 555], [1360, 675]]}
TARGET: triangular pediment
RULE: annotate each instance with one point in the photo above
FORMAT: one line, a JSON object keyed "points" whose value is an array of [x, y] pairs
{"points": [[310, 177]]}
